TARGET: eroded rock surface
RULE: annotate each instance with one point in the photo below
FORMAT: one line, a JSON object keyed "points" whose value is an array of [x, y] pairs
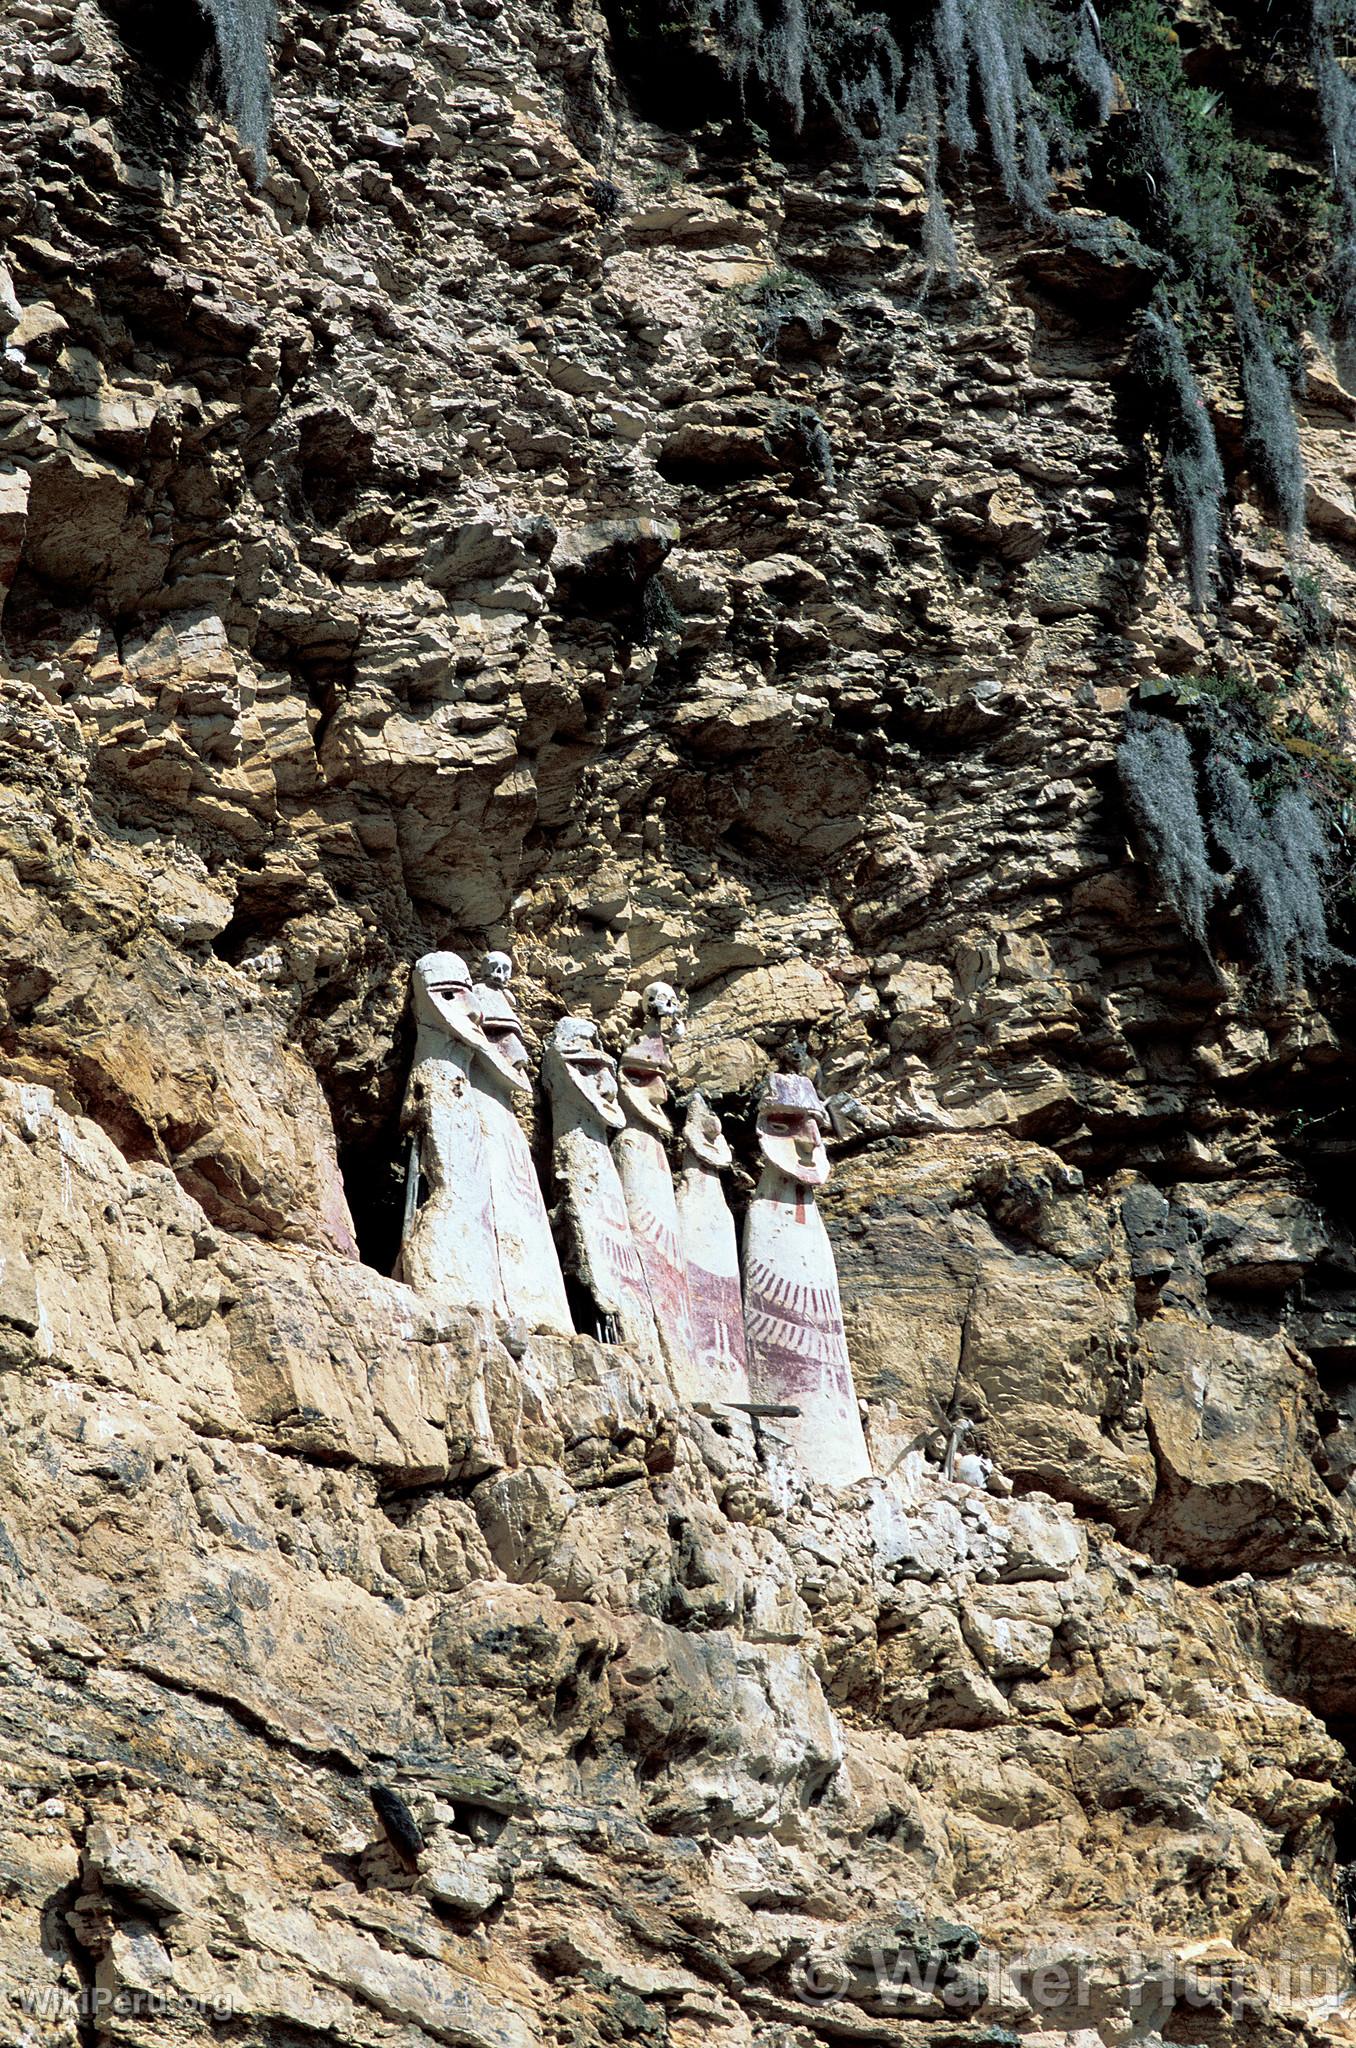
{"points": [[434, 548]]}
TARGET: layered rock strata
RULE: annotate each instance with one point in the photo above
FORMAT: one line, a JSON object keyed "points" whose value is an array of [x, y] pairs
{"points": [[433, 548]]}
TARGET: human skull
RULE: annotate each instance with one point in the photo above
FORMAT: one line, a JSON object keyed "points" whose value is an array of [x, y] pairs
{"points": [[664, 1009], [497, 970]]}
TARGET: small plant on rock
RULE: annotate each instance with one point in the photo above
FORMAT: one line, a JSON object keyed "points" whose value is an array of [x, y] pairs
{"points": [[805, 438], [605, 198], [786, 298], [660, 618]]}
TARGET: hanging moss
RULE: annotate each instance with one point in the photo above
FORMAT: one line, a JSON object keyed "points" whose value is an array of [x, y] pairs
{"points": [[1269, 431], [1202, 198], [243, 31], [1280, 863], [820, 57], [1233, 811], [1042, 79], [1193, 475], [1004, 53], [922, 117], [1336, 90], [814, 70], [1158, 780], [1048, 88]]}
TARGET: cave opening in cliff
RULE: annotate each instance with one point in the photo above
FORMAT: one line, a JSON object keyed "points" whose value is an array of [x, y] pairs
{"points": [[171, 42], [374, 1173], [374, 1150], [169, 49], [1344, 1861]]}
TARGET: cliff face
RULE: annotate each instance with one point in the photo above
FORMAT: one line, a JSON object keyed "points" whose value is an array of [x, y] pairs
{"points": [[515, 524]]}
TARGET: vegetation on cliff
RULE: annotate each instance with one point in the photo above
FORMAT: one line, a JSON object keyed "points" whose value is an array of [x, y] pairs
{"points": [[1070, 104], [1126, 132], [242, 31], [1222, 781]]}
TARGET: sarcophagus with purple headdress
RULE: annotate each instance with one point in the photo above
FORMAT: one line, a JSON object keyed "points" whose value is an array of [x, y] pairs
{"points": [[793, 1316]]}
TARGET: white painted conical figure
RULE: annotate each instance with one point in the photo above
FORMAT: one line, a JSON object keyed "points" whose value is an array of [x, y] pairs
{"points": [[528, 1262], [581, 1081], [641, 1153], [449, 1250], [793, 1316], [720, 1371]]}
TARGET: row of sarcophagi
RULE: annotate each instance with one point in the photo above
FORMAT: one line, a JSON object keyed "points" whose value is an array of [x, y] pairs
{"points": [[651, 1256]]}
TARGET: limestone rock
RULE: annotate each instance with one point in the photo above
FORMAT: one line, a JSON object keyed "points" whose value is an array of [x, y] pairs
{"points": [[14, 493], [1233, 1439], [519, 524]]}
